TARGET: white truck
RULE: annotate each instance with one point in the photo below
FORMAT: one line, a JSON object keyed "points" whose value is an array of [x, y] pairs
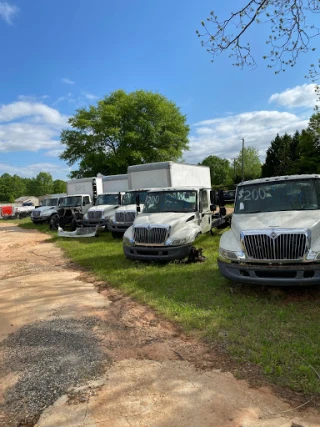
{"points": [[49, 207], [114, 187], [80, 196], [139, 180], [275, 232], [174, 213]]}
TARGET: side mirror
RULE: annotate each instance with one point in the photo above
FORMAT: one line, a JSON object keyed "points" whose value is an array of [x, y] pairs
{"points": [[84, 203], [213, 207], [138, 201], [213, 197], [138, 209], [221, 198], [200, 207], [119, 199]]}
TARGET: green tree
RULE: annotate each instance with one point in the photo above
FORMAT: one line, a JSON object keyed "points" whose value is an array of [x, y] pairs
{"points": [[252, 164], [220, 170], [6, 189], [40, 185], [292, 32], [59, 186], [124, 129], [279, 159]]}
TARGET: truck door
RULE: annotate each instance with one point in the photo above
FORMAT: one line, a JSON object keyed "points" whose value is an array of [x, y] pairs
{"points": [[205, 213]]}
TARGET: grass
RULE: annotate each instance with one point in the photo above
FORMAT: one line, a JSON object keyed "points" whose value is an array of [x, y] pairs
{"points": [[278, 330]]}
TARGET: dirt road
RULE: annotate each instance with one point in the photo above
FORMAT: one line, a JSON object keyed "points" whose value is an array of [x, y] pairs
{"points": [[71, 356]]}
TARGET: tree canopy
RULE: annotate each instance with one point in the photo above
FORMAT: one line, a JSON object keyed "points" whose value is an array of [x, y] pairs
{"points": [[220, 170], [252, 164], [124, 129], [292, 32]]}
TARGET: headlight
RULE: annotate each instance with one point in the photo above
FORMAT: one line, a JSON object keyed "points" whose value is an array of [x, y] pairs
{"points": [[85, 216], [176, 242], [313, 256], [128, 241], [231, 255]]}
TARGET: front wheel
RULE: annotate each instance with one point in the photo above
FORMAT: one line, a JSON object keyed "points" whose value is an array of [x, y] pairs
{"points": [[116, 234], [54, 222]]}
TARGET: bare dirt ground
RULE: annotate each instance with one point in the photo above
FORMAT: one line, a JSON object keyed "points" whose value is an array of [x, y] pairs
{"points": [[76, 353]]}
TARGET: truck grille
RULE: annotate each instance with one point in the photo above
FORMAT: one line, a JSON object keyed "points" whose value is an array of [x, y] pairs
{"points": [[125, 217], [150, 235], [95, 215], [286, 246], [35, 213]]}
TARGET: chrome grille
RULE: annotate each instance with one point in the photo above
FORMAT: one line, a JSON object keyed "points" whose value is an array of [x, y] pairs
{"points": [[125, 217], [95, 215], [283, 246], [36, 213], [150, 236]]}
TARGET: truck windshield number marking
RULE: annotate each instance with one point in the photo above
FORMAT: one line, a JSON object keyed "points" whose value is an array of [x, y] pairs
{"points": [[248, 195]]}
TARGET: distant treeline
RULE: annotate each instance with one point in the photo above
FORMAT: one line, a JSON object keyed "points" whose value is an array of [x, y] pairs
{"points": [[12, 187]]}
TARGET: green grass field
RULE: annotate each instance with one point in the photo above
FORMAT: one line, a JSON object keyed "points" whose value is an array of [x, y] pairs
{"points": [[278, 330]]}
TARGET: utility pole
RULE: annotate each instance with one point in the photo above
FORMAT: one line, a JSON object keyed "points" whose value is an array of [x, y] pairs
{"points": [[242, 159]]}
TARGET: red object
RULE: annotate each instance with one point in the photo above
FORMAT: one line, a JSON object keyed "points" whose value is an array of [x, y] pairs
{"points": [[7, 210]]}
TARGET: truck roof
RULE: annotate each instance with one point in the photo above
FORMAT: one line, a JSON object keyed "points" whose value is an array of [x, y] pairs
{"points": [[160, 165], [279, 178], [115, 177], [178, 189]]}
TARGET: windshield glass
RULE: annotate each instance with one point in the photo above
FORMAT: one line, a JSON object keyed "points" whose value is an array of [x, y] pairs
{"points": [[276, 196], [107, 199], [71, 201], [171, 201], [130, 198], [49, 202]]}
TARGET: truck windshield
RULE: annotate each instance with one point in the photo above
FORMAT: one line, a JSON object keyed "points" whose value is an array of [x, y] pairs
{"points": [[130, 198], [71, 201], [49, 202], [107, 199], [303, 194], [171, 201]]}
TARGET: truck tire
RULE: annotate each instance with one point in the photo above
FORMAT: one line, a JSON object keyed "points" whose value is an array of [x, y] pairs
{"points": [[74, 225], [54, 222]]}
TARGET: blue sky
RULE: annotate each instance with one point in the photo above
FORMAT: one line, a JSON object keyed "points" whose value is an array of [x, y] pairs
{"points": [[62, 55]]}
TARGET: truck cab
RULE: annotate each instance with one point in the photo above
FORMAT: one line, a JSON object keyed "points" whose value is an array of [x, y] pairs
{"points": [[275, 232], [104, 206], [172, 219], [123, 217], [49, 207]]}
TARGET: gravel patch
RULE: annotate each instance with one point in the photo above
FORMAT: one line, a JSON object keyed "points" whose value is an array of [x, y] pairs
{"points": [[49, 357]]}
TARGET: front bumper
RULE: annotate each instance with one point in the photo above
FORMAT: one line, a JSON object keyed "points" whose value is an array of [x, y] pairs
{"points": [[271, 275], [119, 228], [159, 253], [40, 219]]}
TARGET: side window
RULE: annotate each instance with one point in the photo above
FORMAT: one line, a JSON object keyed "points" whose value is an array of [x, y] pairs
{"points": [[86, 200], [204, 199]]}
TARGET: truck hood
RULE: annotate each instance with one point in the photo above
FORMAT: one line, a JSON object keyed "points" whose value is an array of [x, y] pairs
{"points": [[308, 219], [103, 208], [174, 219], [44, 208], [128, 208]]}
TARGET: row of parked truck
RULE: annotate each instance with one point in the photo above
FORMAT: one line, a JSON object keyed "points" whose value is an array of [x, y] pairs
{"points": [[161, 208]]}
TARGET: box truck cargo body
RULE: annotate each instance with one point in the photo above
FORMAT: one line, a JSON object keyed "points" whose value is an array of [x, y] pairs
{"points": [[114, 183]]}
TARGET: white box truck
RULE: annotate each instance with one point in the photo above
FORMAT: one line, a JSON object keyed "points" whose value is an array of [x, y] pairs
{"points": [[48, 208], [81, 194], [174, 213], [275, 232], [114, 187]]}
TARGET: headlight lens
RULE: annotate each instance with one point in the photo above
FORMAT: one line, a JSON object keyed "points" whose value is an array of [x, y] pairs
{"points": [[313, 256], [176, 242], [128, 241], [231, 255]]}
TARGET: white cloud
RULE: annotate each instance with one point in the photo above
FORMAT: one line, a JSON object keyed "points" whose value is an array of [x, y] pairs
{"points": [[54, 153], [32, 98], [28, 126], [299, 96], [8, 11], [89, 96], [32, 170], [67, 81], [222, 136]]}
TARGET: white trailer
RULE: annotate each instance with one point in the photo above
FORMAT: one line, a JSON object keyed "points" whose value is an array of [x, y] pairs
{"points": [[114, 183], [175, 212], [86, 186]]}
